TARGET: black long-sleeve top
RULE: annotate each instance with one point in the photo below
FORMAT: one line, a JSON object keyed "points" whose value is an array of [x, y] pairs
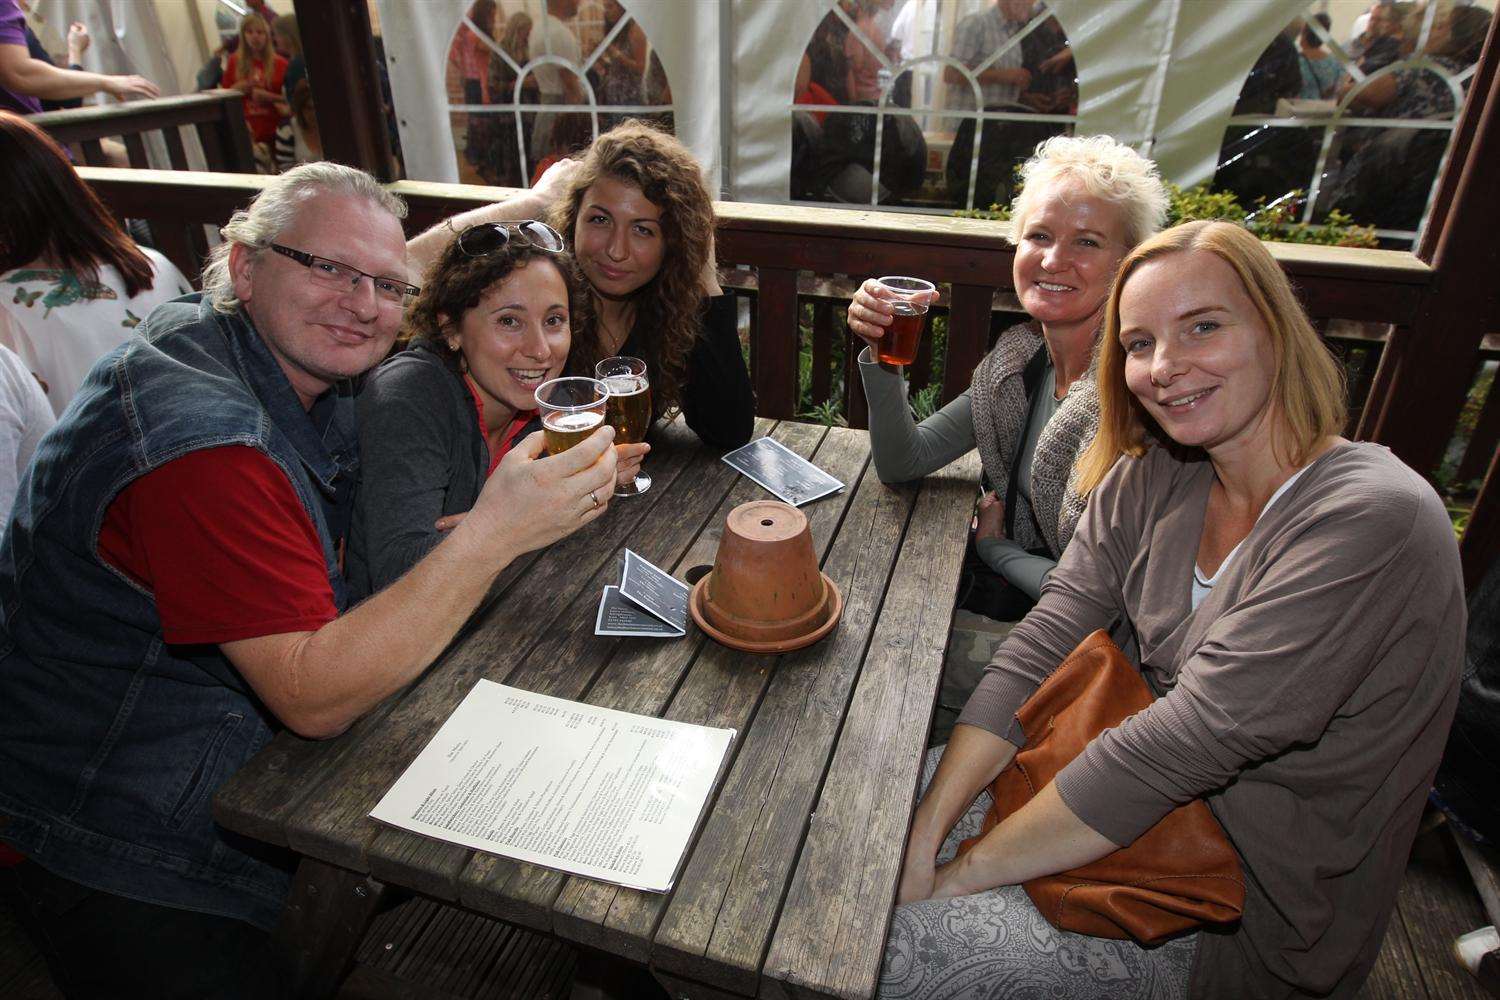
{"points": [[718, 401]]}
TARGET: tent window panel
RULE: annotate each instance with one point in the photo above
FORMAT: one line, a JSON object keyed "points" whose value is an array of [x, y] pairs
{"points": [[1401, 62], [927, 72], [508, 63]]}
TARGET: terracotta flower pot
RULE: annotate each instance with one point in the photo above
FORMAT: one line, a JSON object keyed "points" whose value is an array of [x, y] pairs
{"points": [[765, 593]]}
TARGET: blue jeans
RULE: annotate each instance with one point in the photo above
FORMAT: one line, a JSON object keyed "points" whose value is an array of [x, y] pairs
{"points": [[99, 945]]}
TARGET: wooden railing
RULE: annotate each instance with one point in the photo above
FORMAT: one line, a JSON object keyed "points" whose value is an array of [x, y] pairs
{"points": [[216, 116], [796, 267]]}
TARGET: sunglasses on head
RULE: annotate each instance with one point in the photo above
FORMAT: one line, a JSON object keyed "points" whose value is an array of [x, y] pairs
{"points": [[489, 237]]}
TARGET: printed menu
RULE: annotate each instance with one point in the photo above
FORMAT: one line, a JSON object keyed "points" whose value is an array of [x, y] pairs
{"points": [[582, 789]]}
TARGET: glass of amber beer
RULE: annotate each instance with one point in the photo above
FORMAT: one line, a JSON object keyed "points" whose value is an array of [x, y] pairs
{"points": [[629, 409], [572, 409], [909, 298]]}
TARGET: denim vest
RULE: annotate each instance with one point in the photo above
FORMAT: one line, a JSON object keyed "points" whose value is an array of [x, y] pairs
{"points": [[112, 742]]}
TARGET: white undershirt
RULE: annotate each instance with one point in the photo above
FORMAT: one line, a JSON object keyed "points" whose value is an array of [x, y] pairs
{"points": [[1203, 584]]}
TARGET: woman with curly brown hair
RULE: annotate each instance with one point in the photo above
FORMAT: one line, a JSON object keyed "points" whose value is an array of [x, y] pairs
{"points": [[494, 321], [641, 222]]}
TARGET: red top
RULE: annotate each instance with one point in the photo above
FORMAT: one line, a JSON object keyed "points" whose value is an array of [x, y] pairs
{"points": [[816, 94], [224, 545], [519, 421], [261, 117]]}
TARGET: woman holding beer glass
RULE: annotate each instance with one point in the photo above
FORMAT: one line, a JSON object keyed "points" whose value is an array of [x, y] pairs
{"points": [[1298, 604], [1031, 408], [492, 324], [641, 223]]}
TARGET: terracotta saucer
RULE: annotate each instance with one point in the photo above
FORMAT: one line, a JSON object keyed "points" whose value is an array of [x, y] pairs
{"points": [[833, 610]]}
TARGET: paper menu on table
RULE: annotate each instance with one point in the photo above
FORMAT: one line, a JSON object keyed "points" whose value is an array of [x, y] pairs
{"points": [[582, 789], [792, 478]]}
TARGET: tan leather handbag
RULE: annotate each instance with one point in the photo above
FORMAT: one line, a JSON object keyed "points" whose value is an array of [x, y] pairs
{"points": [[1177, 875]]}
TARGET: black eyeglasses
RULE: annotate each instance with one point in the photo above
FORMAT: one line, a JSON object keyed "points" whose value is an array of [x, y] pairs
{"points": [[335, 274], [488, 237]]}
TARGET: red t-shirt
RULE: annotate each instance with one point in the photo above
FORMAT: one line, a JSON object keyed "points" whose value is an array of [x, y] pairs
{"points": [[222, 542], [260, 116], [224, 545]]}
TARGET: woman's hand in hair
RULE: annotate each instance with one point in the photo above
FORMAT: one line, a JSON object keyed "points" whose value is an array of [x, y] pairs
{"points": [[555, 181]]}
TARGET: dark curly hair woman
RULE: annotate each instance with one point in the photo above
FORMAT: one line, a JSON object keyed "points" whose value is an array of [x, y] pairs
{"points": [[641, 223], [496, 318]]}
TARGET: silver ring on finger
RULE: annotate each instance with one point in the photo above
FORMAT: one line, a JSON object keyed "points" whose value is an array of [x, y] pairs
{"points": [[594, 496]]}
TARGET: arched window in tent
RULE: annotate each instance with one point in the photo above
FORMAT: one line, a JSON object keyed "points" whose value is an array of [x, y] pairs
{"points": [[1359, 124], [927, 104], [530, 81]]}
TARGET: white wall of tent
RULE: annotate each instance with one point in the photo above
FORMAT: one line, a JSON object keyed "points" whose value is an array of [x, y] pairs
{"points": [[1161, 75]]}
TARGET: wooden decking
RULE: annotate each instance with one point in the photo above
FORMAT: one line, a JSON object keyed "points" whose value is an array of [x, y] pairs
{"points": [[423, 949]]}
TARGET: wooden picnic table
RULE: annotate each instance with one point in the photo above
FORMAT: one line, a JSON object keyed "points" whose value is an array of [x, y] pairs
{"points": [[788, 881]]}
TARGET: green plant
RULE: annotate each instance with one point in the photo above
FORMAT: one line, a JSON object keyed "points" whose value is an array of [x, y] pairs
{"points": [[924, 402], [1277, 223], [826, 413]]}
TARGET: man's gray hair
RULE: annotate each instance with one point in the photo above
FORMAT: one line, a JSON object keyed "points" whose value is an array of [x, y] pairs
{"points": [[275, 208]]}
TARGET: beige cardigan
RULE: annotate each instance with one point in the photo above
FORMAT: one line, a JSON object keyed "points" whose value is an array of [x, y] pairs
{"points": [[1306, 699]]}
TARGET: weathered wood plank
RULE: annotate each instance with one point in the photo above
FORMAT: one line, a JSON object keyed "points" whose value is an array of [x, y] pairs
{"points": [[568, 658], [1436, 908], [775, 343], [968, 336], [333, 823], [326, 916], [832, 928], [720, 920], [722, 688], [1395, 975], [640, 678]]}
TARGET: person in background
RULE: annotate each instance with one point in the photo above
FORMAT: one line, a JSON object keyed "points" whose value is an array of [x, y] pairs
{"points": [[640, 222], [78, 41], [975, 39], [287, 38], [25, 82], [257, 71], [211, 73], [1297, 602], [1047, 56], [25, 416], [493, 322], [297, 138], [620, 72], [72, 284], [556, 84], [500, 162], [1032, 407], [1320, 70]]}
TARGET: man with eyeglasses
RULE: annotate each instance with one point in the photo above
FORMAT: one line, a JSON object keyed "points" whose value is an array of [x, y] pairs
{"points": [[171, 592]]}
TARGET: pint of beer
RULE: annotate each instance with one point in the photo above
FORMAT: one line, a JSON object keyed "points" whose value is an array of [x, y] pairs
{"points": [[629, 410], [572, 409], [909, 299]]}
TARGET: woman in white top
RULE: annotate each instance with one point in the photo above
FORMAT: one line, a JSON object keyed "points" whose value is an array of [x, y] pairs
{"points": [[24, 418], [73, 285]]}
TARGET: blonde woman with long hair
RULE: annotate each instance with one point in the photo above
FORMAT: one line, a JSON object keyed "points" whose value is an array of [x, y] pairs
{"points": [[1298, 607]]}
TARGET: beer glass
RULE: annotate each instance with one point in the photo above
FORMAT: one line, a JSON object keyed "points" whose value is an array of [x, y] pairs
{"points": [[899, 345], [629, 409], [572, 409]]}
